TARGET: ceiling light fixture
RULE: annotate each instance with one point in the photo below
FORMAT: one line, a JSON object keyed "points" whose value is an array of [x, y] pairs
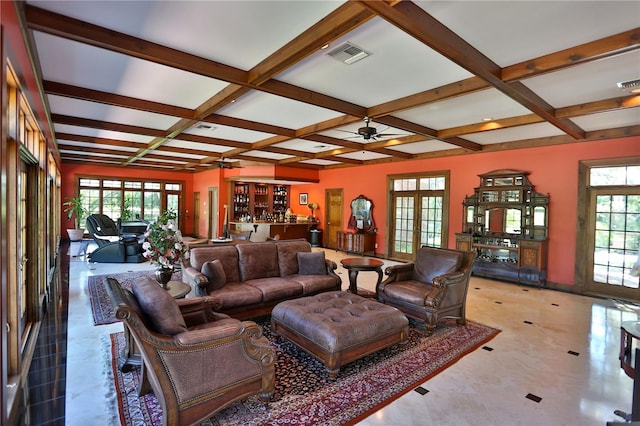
{"points": [[487, 119], [632, 86]]}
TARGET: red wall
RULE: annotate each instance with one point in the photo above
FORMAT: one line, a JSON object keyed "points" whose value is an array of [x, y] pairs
{"points": [[553, 170], [70, 171]]}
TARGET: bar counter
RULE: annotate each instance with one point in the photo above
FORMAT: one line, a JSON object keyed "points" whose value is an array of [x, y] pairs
{"points": [[264, 230]]}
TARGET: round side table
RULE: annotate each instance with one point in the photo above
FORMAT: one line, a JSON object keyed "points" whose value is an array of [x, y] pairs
{"points": [[357, 264], [178, 289]]}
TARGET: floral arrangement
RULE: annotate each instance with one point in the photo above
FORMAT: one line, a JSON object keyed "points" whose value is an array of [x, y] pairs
{"points": [[163, 245]]}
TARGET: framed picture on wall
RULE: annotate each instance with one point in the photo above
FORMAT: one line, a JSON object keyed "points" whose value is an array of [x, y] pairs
{"points": [[304, 199]]}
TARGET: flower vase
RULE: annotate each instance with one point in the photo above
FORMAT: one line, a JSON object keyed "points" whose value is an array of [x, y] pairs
{"points": [[163, 276]]}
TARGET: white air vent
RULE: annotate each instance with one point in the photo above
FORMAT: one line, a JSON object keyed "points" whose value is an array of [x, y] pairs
{"points": [[204, 126], [632, 86], [348, 53]]}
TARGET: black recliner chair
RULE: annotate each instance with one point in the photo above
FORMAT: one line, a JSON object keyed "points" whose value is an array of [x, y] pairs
{"points": [[112, 246]]}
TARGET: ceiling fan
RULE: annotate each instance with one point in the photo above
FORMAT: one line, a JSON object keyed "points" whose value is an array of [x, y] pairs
{"points": [[224, 164], [368, 132]]}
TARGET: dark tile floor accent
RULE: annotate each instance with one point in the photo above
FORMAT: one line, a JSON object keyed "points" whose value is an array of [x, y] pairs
{"points": [[46, 382]]}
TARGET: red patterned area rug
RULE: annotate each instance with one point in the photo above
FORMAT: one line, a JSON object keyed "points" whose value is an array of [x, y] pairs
{"points": [[99, 299], [304, 395]]}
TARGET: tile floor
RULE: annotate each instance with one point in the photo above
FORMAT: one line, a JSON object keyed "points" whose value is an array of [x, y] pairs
{"points": [[554, 363]]}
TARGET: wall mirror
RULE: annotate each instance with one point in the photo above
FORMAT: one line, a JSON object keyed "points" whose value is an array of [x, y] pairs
{"points": [[361, 215], [503, 221]]}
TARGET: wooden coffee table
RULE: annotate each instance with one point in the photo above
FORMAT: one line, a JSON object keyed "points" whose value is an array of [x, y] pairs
{"points": [[357, 264]]}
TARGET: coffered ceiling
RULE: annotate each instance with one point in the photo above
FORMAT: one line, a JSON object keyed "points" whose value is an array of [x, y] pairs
{"points": [[183, 84]]}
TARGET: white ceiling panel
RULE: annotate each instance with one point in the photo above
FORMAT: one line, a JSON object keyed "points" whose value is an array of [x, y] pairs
{"points": [[422, 147], [510, 32], [406, 65], [589, 82], [78, 64], [464, 110], [531, 131], [277, 110], [97, 111], [605, 120], [101, 133]]}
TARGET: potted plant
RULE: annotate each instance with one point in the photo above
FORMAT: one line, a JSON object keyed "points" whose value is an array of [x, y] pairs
{"points": [[164, 246], [74, 209]]}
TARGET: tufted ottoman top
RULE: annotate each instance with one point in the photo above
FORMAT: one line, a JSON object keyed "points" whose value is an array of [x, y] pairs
{"points": [[338, 320]]}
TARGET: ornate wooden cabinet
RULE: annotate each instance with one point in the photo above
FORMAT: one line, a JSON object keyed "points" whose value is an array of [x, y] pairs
{"points": [[506, 223], [352, 242]]}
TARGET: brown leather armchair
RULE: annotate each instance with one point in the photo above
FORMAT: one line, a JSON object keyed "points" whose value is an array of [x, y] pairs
{"points": [[431, 288], [197, 362]]}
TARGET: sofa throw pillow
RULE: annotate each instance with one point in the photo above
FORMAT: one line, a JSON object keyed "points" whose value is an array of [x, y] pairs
{"points": [[158, 305], [311, 263], [214, 271]]}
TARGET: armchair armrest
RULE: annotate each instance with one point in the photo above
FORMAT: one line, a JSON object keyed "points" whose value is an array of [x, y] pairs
{"points": [[395, 273], [196, 279], [442, 284], [199, 310]]}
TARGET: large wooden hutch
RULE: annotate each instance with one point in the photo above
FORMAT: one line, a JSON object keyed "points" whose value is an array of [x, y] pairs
{"points": [[506, 223]]}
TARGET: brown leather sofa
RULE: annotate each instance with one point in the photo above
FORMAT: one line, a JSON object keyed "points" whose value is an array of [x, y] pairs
{"points": [[196, 361], [247, 280], [431, 288]]}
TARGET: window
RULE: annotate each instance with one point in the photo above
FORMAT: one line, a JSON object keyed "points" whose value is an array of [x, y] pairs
{"points": [[129, 199]]}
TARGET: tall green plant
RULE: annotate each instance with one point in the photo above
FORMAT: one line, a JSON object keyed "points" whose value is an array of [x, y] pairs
{"points": [[73, 208]]}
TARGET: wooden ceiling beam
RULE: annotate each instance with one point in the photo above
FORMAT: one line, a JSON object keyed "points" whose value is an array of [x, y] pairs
{"points": [[337, 23], [413, 20], [587, 52], [73, 29], [75, 92], [247, 124], [104, 125]]}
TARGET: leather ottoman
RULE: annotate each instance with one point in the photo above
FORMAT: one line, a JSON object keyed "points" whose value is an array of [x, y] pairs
{"points": [[338, 327]]}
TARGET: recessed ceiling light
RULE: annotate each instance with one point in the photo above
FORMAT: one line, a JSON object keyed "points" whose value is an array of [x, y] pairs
{"points": [[632, 86], [487, 119], [326, 46], [321, 146]]}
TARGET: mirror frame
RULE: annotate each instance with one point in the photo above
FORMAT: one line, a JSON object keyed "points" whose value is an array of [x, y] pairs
{"points": [[361, 215]]}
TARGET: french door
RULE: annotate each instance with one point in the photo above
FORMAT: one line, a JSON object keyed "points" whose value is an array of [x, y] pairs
{"points": [[614, 219], [418, 214]]}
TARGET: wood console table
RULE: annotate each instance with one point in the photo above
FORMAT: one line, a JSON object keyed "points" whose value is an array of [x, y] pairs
{"points": [[354, 242]]}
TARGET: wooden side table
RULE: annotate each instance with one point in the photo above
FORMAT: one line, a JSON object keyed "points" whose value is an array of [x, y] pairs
{"points": [[357, 264], [178, 289]]}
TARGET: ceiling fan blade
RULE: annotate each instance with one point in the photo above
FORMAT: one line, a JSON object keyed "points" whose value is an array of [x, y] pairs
{"points": [[386, 135]]}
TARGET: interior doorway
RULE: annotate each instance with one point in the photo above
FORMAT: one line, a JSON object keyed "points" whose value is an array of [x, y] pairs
{"points": [[334, 200], [196, 214], [213, 213]]}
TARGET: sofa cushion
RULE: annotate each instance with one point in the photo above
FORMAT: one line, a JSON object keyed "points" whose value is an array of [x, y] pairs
{"points": [[432, 262], [276, 288], [235, 294], [228, 255], [311, 263], [214, 271], [288, 255], [312, 284], [159, 306], [257, 260]]}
